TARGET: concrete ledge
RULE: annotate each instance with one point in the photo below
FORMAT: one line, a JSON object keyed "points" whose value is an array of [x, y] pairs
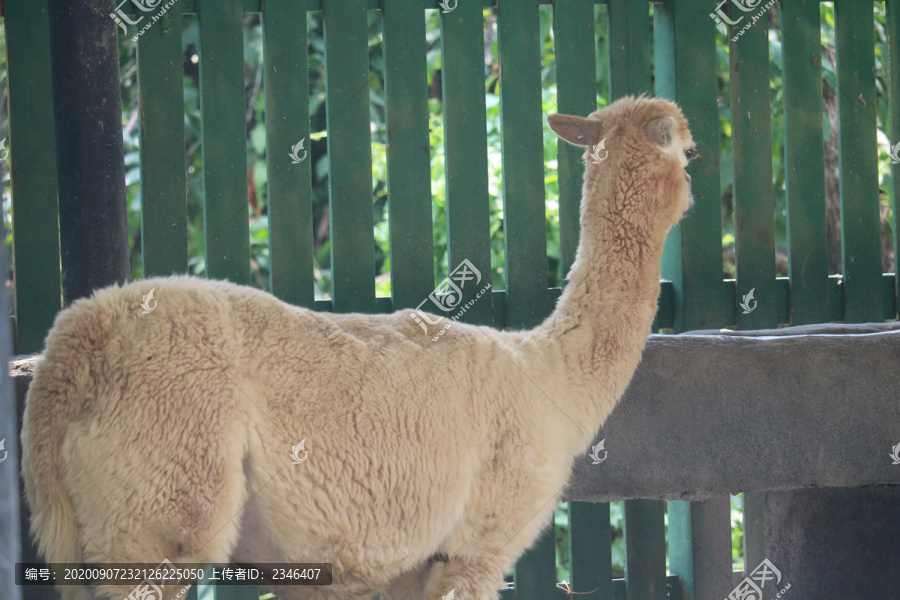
{"points": [[728, 412]]}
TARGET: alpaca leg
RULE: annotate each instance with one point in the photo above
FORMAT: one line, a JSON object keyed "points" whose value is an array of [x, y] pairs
{"points": [[125, 592], [468, 577], [75, 592], [410, 585]]}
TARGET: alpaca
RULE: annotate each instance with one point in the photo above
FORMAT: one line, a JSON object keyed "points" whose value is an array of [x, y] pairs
{"points": [[427, 467]]}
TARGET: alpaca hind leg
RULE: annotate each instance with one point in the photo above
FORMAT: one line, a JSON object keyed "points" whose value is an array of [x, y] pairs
{"points": [[128, 592], [75, 592], [410, 585], [468, 577]]}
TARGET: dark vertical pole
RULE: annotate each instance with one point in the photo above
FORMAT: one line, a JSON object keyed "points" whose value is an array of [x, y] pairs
{"points": [[9, 456], [87, 108]]}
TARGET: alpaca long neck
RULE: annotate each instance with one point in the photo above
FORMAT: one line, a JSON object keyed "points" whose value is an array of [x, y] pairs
{"points": [[598, 330]]}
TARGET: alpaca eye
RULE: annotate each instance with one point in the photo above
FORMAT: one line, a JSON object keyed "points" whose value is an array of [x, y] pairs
{"points": [[690, 154]]}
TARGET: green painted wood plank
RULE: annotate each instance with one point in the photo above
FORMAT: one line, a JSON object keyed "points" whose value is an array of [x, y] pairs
{"points": [[349, 156], [32, 173], [665, 314], [699, 537], [860, 216], [287, 124], [465, 149], [193, 593], [524, 221], [590, 546], [164, 245], [576, 68], [889, 287], [685, 45], [754, 529], [620, 591], [645, 549], [892, 8], [256, 6], [223, 132], [408, 154], [629, 48], [535, 573], [754, 198], [804, 168], [236, 592]]}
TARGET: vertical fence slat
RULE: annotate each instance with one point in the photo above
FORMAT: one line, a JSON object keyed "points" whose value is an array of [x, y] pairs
{"points": [[576, 68], [892, 8], [590, 536], [700, 546], [465, 148], [645, 560], [804, 162], [754, 198], [524, 221], [287, 124], [408, 156], [685, 44], [860, 216], [236, 592], [754, 530], [524, 224], [32, 173], [223, 132], [645, 549], [685, 52], [535, 573], [590, 544], [163, 209], [629, 47], [349, 156]]}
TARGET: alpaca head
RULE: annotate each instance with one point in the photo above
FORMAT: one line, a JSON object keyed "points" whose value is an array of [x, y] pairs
{"points": [[636, 148]]}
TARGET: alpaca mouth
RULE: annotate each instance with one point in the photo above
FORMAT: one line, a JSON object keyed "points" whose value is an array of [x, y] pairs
{"points": [[687, 178]]}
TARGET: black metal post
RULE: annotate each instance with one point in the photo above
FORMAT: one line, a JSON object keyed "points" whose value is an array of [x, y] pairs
{"points": [[87, 108], [9, 457]]}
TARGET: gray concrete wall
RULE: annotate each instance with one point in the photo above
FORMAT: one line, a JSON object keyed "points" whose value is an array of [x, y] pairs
{"points": [[724, 413], [835, 543]]}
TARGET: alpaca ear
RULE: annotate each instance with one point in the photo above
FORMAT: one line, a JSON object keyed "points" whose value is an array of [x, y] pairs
{"points": [[578, 131], [661, 131]]}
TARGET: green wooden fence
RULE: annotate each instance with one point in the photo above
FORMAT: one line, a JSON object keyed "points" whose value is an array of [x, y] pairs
{"points": [[694, 293]]}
